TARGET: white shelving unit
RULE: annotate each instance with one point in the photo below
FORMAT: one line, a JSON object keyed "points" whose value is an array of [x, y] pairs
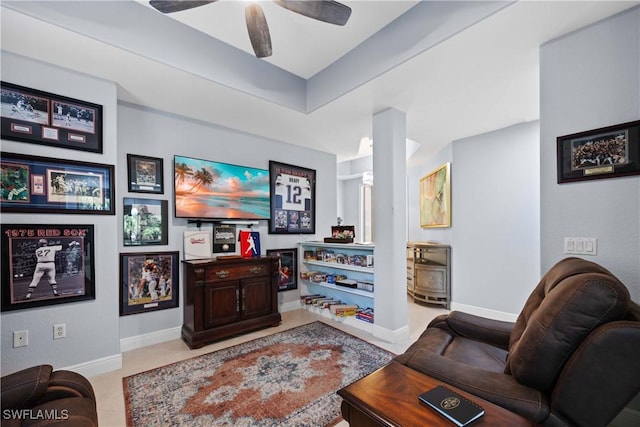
{"points": [[360, 297]]}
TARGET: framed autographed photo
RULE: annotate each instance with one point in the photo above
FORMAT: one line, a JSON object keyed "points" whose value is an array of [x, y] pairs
{"points": [[293, 198], [608, 152], [287, 271], [37, 117], [46, 264], [145, 174], [145, 222], [32, 184], [148, 282]]}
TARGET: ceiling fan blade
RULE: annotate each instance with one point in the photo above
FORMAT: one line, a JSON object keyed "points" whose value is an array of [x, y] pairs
{"points": [[332, 12], [258, 30], [167, 6]]}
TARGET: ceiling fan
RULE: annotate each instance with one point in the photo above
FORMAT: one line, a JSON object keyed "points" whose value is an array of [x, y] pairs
{"points": [[328, 11]]}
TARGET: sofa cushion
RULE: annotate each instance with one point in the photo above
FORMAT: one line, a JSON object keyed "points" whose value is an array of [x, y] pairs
{"points": [[571, 300]]}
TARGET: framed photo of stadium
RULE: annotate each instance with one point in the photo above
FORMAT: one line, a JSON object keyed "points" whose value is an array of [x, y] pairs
{"points": [[293, 199], [46, 264], [149, 281], [608, 152], [32, 184], [145, 174], [37, 117], [287, 268]]}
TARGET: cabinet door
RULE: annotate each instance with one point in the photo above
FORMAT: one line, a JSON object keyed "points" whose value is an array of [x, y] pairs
{"points": [[430, 279], [221, 304], [256, 297]]}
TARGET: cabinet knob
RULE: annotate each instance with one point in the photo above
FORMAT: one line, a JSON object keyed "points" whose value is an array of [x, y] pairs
{"points": [[222, 274], [256, 270]]}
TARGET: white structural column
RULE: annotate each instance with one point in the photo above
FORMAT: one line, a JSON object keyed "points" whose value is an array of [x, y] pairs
{"points": [[389, 210]]}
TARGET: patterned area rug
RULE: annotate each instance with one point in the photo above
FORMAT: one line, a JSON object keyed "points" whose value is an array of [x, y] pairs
{"points": [[285, 379]]}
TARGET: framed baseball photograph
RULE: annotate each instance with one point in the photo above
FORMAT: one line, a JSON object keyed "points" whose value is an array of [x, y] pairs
{"points": [[293, 194], [37, 117], [149, 281], [32, 184], [287, 268], [145, 174], [46, 264]]}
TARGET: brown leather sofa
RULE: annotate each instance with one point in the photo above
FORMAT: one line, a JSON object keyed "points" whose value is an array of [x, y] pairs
{"points": [[38, 396], [572, 357]]}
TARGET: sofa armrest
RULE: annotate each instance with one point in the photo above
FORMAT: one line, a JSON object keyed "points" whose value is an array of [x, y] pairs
{"points": [[69, 412], [500, 389], [65, 384], [494, 332], [24, 388]]}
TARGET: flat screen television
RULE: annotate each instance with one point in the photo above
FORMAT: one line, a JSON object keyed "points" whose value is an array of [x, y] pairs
{"points": [[204, 189]]}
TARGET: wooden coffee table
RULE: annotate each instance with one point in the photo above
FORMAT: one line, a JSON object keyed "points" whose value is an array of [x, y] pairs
{"points": [[389, 397]]}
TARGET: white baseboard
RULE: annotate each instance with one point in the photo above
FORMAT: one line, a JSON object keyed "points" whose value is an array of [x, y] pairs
{"points": [[157, 337], [484, 312], [391, 336], [289, 306], [98, 366]]}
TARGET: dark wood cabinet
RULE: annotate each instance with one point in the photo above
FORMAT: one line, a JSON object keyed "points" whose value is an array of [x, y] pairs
{"points": [[227, 297]]}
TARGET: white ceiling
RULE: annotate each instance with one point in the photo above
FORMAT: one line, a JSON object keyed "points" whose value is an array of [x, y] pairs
{"points": [[475, 80], [301, 45]]}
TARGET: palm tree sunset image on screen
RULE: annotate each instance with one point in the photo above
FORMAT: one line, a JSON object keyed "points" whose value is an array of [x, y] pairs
{"points": [[213, 190]]}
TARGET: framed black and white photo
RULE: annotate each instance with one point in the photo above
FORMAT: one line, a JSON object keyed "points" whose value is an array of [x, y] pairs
{"points": [[608, 152], [145, 174], [287, 268], [148, 282], [145, 222], [293, 194], [37, 117], [32, 184], [46, 264]]}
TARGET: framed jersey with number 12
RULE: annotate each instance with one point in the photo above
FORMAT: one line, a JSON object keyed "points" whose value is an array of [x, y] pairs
{"points": [[293, 197]]}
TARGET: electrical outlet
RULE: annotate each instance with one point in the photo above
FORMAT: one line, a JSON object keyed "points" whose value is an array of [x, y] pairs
{"points": [[59, 331], [20, 338]]}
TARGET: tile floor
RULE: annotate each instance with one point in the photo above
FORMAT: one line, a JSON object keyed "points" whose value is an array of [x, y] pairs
{"points": [[108, 387]]}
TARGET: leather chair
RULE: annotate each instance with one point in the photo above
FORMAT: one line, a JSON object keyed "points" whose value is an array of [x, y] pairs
{"points": [[572, 357], [37, 396]]}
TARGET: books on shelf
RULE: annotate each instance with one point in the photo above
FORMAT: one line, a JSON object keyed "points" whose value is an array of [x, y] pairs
{"points": [[330, 256], [453, 406], [365, 314], [343, 309]]}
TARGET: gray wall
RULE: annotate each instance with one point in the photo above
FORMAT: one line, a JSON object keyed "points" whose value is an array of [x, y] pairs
{"points": [[591, 79], [494, 231], [92, 332], [157, 134], [95, 331]]}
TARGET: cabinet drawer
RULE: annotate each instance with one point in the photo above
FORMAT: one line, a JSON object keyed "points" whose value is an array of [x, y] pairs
{"points": [[233, 272]]}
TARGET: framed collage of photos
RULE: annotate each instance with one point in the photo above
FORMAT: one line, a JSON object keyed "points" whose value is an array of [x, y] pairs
{"points": [[608, 152], [149, 281], [287, 268], [46, 264], [37, 117], [32, 184], [293, 194]]}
